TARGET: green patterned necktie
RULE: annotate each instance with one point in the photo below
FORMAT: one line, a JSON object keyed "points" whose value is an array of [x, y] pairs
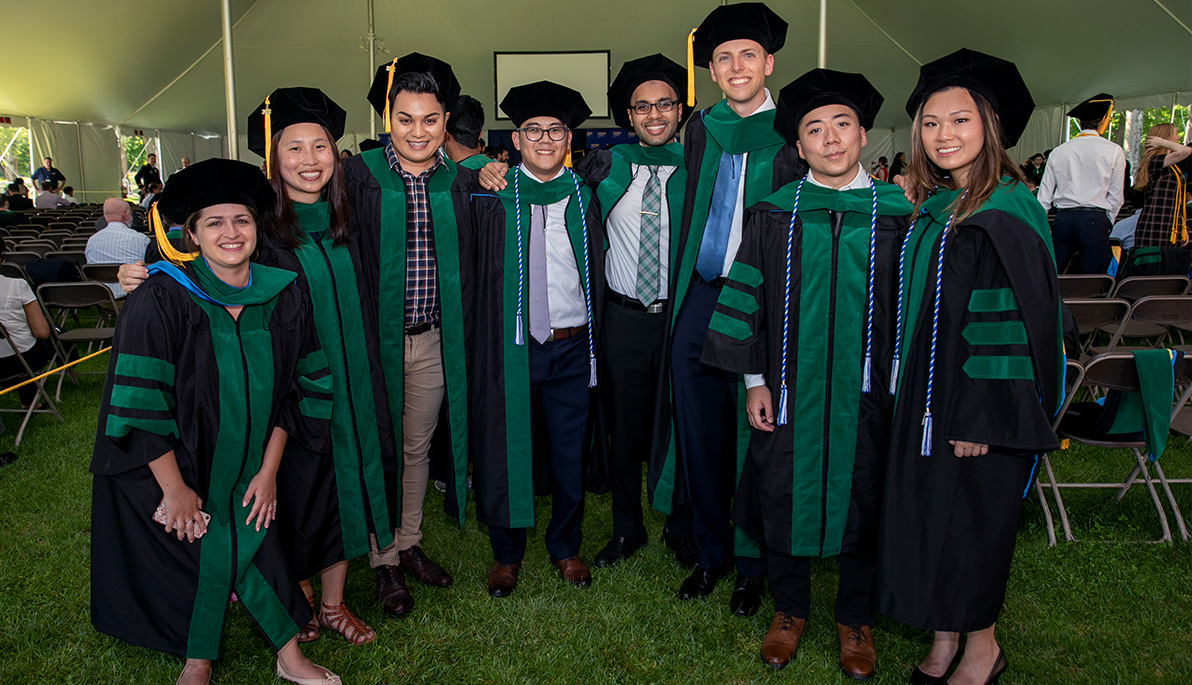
{"points": [[647, 259]]}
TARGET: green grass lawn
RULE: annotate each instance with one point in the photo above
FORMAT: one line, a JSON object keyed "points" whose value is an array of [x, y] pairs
{"points": [[1080, 613]]}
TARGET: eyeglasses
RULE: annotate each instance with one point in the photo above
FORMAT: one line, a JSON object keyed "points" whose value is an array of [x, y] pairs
{"points": [[534, 133], [643, 108]]}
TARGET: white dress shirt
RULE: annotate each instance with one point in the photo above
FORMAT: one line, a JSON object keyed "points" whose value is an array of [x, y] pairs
{"points": [[625, 232], [861, 180], [564, 286], [1087, 171], [734, 233]]}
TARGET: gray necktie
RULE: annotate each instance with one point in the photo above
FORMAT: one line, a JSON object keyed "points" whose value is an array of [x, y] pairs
{"points": [[648, 265], [539, 304]]}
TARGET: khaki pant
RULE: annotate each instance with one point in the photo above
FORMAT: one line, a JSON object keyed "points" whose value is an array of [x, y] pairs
{"points": [[423, 391]]}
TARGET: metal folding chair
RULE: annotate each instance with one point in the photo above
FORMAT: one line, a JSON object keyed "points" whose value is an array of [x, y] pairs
{"points": [[1095, 316], [62, 300], [1073, 376], [42, 394], [1085, 286], [1138, 287], [1118, 372]]}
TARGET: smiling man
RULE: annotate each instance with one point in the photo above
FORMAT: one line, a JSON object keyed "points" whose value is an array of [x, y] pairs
{"points": [[639, 192], [734, 158], [405, 222], [533, 275], [807, 315]]}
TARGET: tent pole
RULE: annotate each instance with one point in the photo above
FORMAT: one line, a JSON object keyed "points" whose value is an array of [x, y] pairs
{"points": [[822, 62], [79, 142], [372, 66], [229, 80], [29, 128]]}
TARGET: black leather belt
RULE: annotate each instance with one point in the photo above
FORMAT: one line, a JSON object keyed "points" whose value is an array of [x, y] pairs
{"points": [[564, 333], [420, 328], [655, 307], [716, 283], [1081, 209]]}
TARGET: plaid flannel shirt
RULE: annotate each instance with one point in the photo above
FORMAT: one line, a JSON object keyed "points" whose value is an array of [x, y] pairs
{"points": [[422, 282]]}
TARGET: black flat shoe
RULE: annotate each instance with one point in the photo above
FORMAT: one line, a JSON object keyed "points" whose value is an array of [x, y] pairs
{"points": [[920, 678], [617, 549], [700, 583], [747, 596]]}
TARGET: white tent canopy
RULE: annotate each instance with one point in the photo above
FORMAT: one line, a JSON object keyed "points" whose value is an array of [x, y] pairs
{"points": [[157, 66]]}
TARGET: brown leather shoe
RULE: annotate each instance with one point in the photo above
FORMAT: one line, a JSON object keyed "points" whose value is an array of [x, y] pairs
{"points": [[857, 654], [426, 571], [574, 571], [782, 640], [392, 593], [502, 579]]}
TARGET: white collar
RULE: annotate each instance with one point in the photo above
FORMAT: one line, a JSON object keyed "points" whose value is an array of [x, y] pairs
{"points": [[532, 176], [861, 180]]}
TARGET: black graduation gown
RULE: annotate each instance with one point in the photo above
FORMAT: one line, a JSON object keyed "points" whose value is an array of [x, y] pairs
{"points": [[609, 173], [378, 198], [498, 367], [949, 524], [812, 487], [342, 496], [768, 168], [184, 376]]}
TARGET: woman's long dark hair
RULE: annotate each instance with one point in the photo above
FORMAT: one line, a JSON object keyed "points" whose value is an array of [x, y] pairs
{"points": [[898, 166], [987, 171], [282, 226]]}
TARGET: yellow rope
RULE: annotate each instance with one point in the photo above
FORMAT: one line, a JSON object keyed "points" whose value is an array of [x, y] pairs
{"points": [[163, 243], [1179, 217], [54, 371], [691, 68]]}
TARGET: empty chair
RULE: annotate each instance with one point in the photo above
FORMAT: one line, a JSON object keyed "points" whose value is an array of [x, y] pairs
{"points": [[1157, 321], [1138, 287], [1098, 316], [63, 300], [38, 248], [101, 273], [72, 255], [20, 256], [60, 225], [16, 368], [1085, 285]]}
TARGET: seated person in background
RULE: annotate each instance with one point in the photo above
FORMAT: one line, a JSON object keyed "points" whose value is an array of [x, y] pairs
{"points": [[7, 216], [150, 195], [49, 197], [27, 327], [116, 243], [16, 198], [68, 195]]}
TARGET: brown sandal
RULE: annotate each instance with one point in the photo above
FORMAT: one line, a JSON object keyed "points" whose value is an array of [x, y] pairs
{"points": [[310, 631], [339, 619]]}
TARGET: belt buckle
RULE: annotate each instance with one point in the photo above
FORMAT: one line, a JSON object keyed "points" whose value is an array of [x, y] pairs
{"points": [[655, 307]]}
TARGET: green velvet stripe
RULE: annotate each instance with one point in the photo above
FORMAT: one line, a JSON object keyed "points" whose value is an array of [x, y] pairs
{"points": [[145, 399], [999, 367], [149, 368], [315, 408], [995, 333], [739, 300], [745, 274], [727, 325], [120, 426], [992, 300]]}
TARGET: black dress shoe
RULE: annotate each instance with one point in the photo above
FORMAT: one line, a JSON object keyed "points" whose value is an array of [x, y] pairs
{"points": [[686, 553], [747, 596], [920, 678], [617, 549], [700, 583], [392, 593]]}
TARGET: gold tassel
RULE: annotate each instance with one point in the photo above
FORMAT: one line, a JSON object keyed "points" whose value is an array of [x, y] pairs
{"points": [[691, 68], [392, 68], [268, 139], [567, 159], [163, 243]]}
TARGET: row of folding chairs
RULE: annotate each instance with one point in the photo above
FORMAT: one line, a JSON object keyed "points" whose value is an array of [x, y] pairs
{"points": [[1121, 325], [1091, 286], [63, 304], [1101, 374]]}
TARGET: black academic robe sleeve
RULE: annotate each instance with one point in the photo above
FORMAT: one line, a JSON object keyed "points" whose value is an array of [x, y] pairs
{"points": [[737, 336], [305, 410], [594, 167], [1007, 409]]}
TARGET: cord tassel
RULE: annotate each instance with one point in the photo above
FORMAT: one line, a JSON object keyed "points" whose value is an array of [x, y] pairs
{"points": [[782, 405], [591, 370], [865, 381], [163, 243], [392, 68], [925, 445], [268, 139], [894, 374], [691, 68], [518, 337]]}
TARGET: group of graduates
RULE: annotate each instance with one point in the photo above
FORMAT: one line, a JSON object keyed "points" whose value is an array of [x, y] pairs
{"points": [[811, 362]]}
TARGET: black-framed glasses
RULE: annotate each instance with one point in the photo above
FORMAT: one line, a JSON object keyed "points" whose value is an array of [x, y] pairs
{"points": [[534, 133], [643, 108]]}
